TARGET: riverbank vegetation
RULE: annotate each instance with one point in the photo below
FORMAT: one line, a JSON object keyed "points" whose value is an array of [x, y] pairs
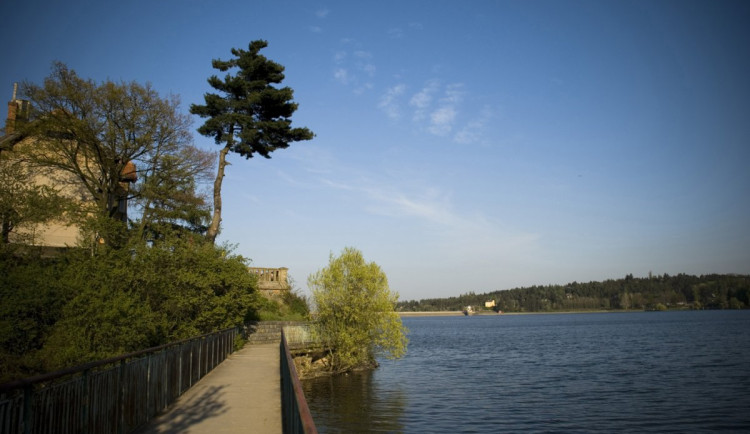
{"points": [[355, 319], [713, 291]]}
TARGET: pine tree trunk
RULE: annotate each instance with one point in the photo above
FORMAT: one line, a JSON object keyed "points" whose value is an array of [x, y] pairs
{"points": [[213, 228]]}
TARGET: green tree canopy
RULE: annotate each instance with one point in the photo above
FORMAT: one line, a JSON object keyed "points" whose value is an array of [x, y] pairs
{"points": [[249, 116], [88, 135], [355, 312]]}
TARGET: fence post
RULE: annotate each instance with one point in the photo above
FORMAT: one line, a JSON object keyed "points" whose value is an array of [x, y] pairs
{"points": [[85, 398], [200, 357], [120, 413], [28, 396], [179, 374]]}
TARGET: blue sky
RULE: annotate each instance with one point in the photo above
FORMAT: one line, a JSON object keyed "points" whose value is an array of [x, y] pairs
{"points": [[463, 146]]}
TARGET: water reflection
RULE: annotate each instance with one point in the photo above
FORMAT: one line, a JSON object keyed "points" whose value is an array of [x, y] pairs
{"points": [[618, 372], [356, 403]]}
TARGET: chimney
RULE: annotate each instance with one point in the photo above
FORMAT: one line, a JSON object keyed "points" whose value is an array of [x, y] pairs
{"points": [[18, 111]]}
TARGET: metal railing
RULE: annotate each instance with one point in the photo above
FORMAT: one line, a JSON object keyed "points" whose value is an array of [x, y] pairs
{"points": [[295, 414], [299, 335], [116, 395]]}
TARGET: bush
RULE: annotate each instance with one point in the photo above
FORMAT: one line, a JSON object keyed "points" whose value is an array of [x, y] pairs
{"points": [[356, 319], [82, 307]]}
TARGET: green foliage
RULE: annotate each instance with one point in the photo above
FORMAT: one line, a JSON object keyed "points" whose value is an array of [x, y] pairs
{"points": [[355, 312], [87, 305], [249, 116], [297, 303], [87, 132], [23, 202], [168, 194], [128, 287], [31, 302], [673, 292], [290, 306]]}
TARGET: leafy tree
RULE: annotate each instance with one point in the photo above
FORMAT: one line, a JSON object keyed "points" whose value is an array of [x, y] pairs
{"points": [[355, 316], [249, 115], [97, 138], [32, 297], [169, 198], [24, 202]]}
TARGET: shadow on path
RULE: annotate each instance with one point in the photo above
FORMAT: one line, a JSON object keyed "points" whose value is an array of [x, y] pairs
{"points": [[189, 412], [242, 394]]}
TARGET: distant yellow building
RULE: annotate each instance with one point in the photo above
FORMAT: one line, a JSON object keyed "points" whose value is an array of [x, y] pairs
{"points": [[489, 304]]}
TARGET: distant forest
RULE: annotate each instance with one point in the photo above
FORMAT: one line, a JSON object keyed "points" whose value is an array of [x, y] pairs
{"points": [[682, 291]]}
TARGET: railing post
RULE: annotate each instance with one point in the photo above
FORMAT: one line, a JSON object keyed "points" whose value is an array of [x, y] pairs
{"points": [[85, 402], [148, 385], [120, 412], [190, 374], [28, 396], [200, 357], [179, 374]]}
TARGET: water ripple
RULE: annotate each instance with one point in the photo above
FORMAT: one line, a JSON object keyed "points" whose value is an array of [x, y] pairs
{"points": [[635, 372]]}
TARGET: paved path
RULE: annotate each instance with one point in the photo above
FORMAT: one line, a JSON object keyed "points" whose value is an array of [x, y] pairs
{"points": [[242, 395]]}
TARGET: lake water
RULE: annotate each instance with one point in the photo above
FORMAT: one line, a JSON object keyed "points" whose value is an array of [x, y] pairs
{"points": [[624, 372]]}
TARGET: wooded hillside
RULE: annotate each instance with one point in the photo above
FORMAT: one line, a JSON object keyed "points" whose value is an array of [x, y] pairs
{"points": [[711, 291]]}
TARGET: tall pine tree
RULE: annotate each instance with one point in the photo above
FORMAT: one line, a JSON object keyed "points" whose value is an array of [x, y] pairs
{"points": [[249, 115]]}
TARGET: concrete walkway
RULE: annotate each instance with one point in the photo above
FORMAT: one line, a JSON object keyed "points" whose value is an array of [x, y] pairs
{"points": [[242, 395]]}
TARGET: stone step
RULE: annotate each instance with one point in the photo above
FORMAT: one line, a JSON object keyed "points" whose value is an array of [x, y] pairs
{"points": [[273, 334], [264, 332]]}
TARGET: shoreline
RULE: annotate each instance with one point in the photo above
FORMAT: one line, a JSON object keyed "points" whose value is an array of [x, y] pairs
{"points": [[432, 313], [491, 313]]}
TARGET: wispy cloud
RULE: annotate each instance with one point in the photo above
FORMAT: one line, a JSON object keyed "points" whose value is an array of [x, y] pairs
{"points": [[342, 76], [389, 102], [473, 131], [315, 29], [453, 93], [322, 13], [399, 32], [422, 100], [458, 229], [439, 114], [428, 206], [354, 67], [395, 33], [464, 231], [441, 120], [364, 62]]}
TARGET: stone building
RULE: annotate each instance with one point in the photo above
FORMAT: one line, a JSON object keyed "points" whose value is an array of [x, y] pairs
{"points": [[272, 282]]}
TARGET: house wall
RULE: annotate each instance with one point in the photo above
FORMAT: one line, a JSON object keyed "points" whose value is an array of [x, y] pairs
{"points": [[56, 232]]}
